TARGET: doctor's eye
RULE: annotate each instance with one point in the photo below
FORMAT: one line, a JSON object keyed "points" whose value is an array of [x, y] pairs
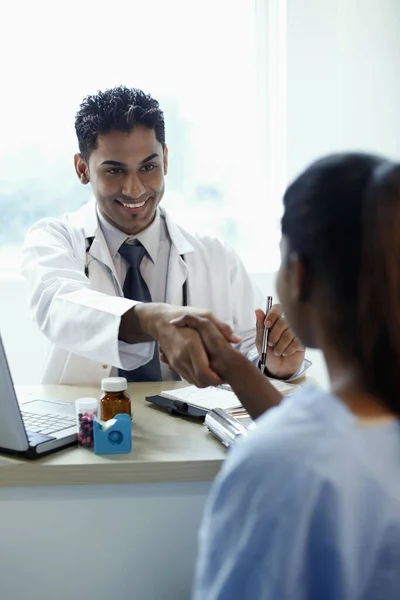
{"points": [[115, 171], [148, 168]]}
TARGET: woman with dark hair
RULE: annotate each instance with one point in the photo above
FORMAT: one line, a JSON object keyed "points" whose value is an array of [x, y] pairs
{"points": [[308, 505]]}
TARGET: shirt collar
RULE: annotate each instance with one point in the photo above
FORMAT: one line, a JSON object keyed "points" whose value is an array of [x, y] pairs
{"points": [[149, 237]]}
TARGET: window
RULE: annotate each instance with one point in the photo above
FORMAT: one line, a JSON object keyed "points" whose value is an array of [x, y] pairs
{"points": [[205, 62]]}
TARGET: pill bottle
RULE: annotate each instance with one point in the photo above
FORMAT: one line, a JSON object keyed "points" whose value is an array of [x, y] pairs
{"points": [[114, 399], [86, 410]]}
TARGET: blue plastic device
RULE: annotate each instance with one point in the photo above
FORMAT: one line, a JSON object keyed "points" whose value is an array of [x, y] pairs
{"points": [[116, 439]]}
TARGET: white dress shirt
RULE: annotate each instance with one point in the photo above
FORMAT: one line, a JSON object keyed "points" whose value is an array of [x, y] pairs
{"points": [[154, 265]]}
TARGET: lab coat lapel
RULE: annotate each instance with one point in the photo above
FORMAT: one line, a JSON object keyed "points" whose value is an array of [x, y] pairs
{"points": [[87, 221], [177, 268], [99, 251], [177, 275]]}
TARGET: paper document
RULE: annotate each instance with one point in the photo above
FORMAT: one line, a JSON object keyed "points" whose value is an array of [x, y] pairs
{"points": [[218, 397]]}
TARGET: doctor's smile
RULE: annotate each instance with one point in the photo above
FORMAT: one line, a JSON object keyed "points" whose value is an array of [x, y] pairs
{"points": [[133, 205]]}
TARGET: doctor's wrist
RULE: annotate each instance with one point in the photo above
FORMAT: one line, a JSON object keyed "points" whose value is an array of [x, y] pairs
{"points": [[150, 317], [137, 324]]}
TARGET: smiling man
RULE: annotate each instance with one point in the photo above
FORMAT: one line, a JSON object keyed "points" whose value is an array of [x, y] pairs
{"points": [[105, 281]]}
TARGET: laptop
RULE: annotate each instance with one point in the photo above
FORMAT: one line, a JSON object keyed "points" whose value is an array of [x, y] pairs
{"points": [[32, 427]]}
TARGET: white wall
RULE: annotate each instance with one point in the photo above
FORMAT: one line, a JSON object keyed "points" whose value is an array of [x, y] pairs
{"points": [[343, 78]]}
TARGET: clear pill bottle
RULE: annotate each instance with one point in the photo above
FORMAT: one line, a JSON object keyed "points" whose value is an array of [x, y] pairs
{"points": [[86, 410]]}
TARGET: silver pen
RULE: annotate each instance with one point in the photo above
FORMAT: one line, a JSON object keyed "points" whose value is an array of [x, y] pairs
{"points": [[264, 347]]}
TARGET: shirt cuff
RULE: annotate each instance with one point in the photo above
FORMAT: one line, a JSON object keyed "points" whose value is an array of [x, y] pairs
{"points": [[133, 356], [301, 371]]}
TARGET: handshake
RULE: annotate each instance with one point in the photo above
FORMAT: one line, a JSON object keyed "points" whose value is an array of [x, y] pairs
{"points": [[201, 348]]}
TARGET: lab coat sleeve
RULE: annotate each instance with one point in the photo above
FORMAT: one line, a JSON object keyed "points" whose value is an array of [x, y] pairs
{"points": [[246, 298], [67, 311]]}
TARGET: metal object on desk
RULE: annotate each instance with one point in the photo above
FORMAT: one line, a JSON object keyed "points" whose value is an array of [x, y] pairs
{"points": [[225, 427]]}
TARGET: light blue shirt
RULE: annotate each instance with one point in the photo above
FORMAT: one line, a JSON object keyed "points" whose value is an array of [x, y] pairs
{"points": [[307, 507]]}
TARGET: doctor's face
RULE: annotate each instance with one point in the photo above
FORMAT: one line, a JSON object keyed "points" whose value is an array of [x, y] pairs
{"points": [[126, 171]]}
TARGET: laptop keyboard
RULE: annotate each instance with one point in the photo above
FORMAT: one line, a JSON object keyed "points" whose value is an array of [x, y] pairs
{"points": [[46, 424]]}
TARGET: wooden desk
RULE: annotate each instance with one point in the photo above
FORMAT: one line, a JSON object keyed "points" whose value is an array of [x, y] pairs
{"points": [[164, 448]]}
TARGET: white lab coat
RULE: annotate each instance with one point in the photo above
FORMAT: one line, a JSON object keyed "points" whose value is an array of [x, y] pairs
{"points": [[81, 316]]}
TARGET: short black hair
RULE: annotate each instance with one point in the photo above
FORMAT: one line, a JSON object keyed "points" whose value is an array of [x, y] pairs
{"points": [[342, 218], [116, 109]]}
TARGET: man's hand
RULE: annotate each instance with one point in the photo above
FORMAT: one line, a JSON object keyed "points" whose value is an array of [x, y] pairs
{"points": [[285, 352], [217, 345], [182, 348]]}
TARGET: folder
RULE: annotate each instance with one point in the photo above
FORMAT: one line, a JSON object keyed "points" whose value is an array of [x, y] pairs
{"points": [[196, 402], [177, 407]]}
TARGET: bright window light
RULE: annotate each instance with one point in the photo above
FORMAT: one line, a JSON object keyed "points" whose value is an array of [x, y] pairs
{"points": [[200, 60]]}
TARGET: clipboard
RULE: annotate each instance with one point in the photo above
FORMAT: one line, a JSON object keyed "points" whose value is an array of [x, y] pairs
{"points": [[177, 407]]}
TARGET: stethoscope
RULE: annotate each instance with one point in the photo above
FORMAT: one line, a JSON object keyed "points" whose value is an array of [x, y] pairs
{"points": [[184, 285]]}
